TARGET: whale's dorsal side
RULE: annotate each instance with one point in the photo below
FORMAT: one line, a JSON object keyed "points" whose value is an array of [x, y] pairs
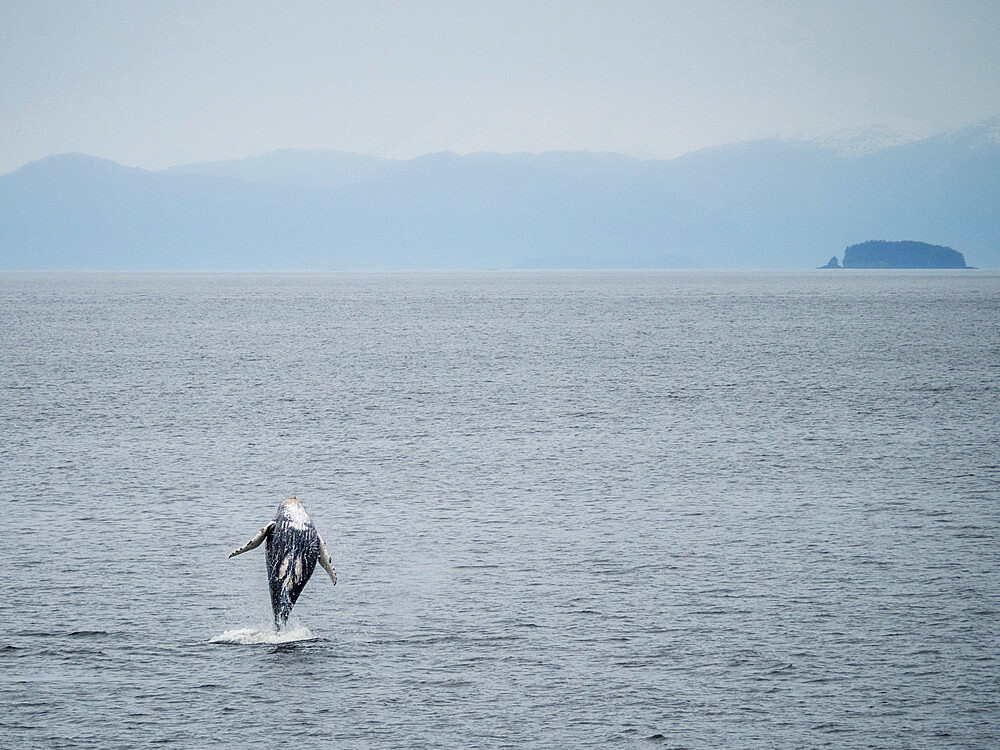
{"points": [[256, 541], [324, 560]]}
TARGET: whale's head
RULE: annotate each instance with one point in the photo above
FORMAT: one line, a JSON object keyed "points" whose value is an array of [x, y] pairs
{"points": [[293, 510]]}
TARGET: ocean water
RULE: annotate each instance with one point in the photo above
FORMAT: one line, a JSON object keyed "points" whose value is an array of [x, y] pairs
{"points": [[567, 510]]}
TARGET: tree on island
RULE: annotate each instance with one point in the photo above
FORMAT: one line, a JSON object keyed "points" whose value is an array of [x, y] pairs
{"points": [[904, 254]]}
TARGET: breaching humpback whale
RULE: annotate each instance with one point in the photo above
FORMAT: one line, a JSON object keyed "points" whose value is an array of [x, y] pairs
{"points": [[293, 549]]}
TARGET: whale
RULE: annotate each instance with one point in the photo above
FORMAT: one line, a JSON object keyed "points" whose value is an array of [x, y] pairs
{"points": [[293, 549]]}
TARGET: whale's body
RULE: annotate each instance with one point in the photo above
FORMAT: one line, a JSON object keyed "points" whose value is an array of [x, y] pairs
{"points": [[293, 549]]}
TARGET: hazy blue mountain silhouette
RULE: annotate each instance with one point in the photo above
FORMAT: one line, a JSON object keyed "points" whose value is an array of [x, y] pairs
{"points": [[315, 169], [438, 211], [763, 204], [79, 212]]}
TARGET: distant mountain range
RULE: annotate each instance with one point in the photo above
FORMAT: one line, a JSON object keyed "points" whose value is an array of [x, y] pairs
{"points": [[762, 204]]}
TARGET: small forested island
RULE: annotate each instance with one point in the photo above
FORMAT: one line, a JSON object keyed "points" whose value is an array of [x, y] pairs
{"points": [[905, 254]]}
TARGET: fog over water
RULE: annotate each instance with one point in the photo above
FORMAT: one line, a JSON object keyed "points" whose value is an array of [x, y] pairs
{"points": [[633, 509]]}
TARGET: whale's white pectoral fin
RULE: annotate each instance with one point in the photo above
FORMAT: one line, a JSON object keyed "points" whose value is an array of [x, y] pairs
{"points": [[324, 560], [255, 542]]}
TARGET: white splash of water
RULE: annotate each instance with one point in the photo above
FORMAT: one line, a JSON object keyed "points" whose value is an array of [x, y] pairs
{"points": [[265, 635]]}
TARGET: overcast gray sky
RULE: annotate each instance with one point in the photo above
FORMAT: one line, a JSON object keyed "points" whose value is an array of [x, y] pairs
{"points": [[158, 83]]}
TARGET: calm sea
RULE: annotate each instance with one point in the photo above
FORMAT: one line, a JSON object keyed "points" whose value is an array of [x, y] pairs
{"points": [[568, 510]]}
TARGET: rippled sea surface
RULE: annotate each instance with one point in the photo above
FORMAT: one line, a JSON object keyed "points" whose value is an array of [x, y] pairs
{"points": [[567, 510]]}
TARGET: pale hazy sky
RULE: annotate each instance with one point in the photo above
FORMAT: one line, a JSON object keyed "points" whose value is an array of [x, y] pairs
{"points": [[165, 82]]}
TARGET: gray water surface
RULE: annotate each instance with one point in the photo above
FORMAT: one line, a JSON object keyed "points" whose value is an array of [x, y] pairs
{"points": [[567, 509]]}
